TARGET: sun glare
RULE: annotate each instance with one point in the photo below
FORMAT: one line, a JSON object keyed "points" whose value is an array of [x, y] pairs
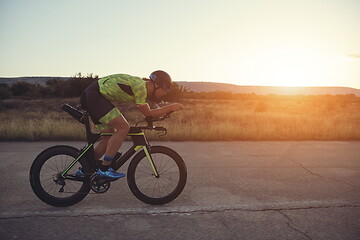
{"points": [[293, 67]]}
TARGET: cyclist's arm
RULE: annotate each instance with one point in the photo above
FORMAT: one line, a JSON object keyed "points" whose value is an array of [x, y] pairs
{"points": [[148, 112], [153, 105]]}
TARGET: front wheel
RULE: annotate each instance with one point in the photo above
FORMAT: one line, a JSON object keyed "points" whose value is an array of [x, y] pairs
{"points": [[162, 189]]}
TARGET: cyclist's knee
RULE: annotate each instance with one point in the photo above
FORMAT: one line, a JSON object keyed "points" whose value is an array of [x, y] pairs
{"points": [[120, 124], [125, 128]]}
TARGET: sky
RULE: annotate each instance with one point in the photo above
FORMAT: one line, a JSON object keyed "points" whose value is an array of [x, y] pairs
{"points": [[243, 42]]}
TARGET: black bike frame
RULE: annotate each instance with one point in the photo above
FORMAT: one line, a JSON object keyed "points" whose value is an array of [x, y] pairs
{"points": [[137, 136]]}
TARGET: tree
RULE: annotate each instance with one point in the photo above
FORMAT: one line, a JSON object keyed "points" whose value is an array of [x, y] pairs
{"points": [[77, 84], [72, 87]]}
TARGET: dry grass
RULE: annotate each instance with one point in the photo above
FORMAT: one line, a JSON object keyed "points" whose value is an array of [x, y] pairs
{"points": [[288, 120], [201, 120]]}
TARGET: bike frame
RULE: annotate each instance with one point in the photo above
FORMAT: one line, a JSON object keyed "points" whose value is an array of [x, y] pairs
{"points": [[139, 142]]}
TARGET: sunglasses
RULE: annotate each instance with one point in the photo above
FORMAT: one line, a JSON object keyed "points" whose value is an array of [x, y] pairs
{"points": [[165, 87]]}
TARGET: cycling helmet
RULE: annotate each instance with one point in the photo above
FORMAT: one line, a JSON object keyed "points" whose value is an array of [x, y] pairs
{"points": [[161, 79]]}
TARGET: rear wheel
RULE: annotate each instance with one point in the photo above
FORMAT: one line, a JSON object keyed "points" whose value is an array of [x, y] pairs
{"points": [[157, 190], [47, 182]]}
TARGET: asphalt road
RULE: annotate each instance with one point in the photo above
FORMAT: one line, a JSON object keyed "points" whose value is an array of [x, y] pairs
{"points": [[235, 190]]}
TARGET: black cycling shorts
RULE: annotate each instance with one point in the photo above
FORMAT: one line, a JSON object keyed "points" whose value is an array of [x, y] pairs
{"points": [[101, 110]]}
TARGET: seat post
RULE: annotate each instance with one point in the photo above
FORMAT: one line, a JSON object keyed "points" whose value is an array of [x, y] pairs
{"points": [[88, 129]]}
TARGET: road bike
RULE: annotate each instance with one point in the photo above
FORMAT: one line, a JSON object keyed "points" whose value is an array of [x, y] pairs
{"points": [[156, 174]]}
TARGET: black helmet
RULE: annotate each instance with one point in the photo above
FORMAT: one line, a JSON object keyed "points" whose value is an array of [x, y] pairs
{"points": [[161, 79]]}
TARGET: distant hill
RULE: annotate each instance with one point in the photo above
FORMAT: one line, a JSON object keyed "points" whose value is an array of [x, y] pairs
{"points": [[265, 90], [212, 87], [32, 80]]}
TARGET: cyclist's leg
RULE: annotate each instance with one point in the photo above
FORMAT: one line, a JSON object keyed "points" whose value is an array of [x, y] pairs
{"points": [[115, 141], [100, 147], [112, 121]]}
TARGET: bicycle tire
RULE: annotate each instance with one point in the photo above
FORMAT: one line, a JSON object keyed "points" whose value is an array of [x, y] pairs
{"points": [[172, 173], [47, 166]]}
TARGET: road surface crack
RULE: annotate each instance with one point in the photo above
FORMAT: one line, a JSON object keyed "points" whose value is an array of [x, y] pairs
{"points": [[161, 211], [318, 175], [291, 225], [289, 155]]}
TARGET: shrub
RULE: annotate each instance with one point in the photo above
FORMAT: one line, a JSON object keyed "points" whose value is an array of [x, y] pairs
{"points": [[5, 91], [21, 88]]}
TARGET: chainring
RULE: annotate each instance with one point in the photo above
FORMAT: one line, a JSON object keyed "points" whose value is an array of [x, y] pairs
{"points": [[99, 184]]}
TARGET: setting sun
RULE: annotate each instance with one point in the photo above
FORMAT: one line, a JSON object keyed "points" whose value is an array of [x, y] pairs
{"points": [[293, 67]]}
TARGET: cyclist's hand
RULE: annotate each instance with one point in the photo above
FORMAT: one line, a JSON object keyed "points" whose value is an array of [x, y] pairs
{"points": [[177, 107]]}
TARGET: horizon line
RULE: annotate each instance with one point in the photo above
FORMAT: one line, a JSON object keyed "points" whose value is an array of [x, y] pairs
{"points": [[207, 81]]}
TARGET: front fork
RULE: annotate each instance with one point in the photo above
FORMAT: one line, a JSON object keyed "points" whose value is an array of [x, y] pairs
{"points": [[148, 156]]}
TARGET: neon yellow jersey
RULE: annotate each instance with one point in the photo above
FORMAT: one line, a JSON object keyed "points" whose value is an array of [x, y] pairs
{"points": [[123, 88]]}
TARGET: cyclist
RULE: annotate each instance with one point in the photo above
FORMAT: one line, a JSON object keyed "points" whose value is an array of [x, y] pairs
{"points": [[97, 100]]}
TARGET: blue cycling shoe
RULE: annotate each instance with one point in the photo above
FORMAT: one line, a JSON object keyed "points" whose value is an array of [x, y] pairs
{"points": [[110, 173], [79, 173]]}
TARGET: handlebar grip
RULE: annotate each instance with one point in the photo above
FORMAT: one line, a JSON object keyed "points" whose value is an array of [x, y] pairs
{"points": [[159, 129]]}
